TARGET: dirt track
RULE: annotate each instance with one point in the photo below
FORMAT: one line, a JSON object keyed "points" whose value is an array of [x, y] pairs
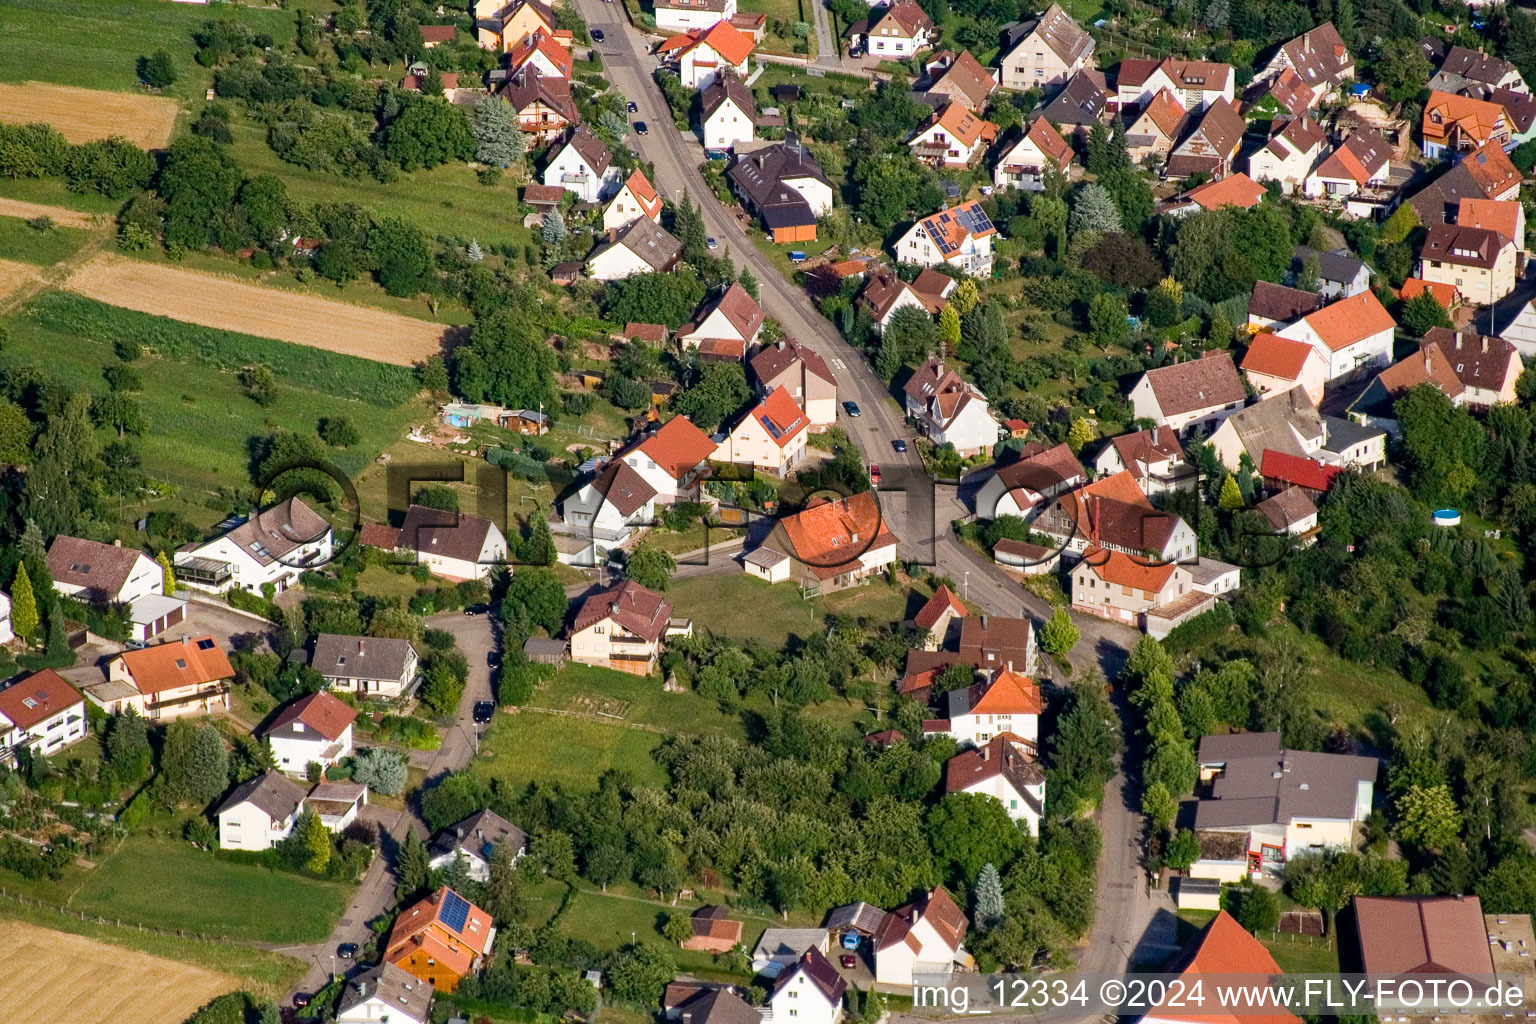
{"points": [[58, 978], [14, 275], [233, 305], [83, 115], [62, 217]]}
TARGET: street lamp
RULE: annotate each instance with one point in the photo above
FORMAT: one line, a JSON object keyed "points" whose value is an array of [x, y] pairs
{"points": [[965, 586]]}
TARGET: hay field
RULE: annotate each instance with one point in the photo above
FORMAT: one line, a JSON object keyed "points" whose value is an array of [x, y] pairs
{"points": [[233, 305], [84, 115], [51, 977], [60, 216], [14, 275]]}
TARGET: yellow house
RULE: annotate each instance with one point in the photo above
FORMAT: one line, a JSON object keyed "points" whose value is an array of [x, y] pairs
{"points": [[514, 23], [623, 628], [1480, 263], [189, 676]]}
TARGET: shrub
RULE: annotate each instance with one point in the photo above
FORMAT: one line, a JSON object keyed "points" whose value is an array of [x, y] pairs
{"points": [[381, 770]]}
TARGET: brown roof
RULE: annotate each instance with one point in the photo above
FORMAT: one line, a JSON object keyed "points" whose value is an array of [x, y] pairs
{"points": [[1166, 112], [1112, 512], [772, 361], [727, 86], [533, 192], [1049, 142], [277, 796], [100, 568], [965, 74], [528, 85], [1287, 89], [1064, 36], [433, 531], [38, 697], [1222, 127], [1185, 74], [1422, 935], [656, 246], [740, 309], [1463, 245], [376, 535], [1149, 447], [713, 1005], [1006, 755], [943, 599], [937, 908], [883, 288], [437, 33], [996, 641], [319, 711], [822, 974], [1081, 101], [1300, 134], [1281, 304], [1320, 56], [641, 612], [1476, 65], [591, 148], [623, 488], [940, 391], [275, 531], [1453, 362], [188, 662], [654, 333], [1287, 508], [906, 16], [712, 923], [360, 657], [1520, 108], [1039, 469], [1196, 384]]}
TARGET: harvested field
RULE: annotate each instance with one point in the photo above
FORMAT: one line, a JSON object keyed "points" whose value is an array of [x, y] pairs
{"points": [[60, 216], [14, 275], [233, 305], [44, 971], [83, 115]]}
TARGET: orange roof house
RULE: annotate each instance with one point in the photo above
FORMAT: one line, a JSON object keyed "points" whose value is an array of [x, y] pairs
{"points": [[550, 56], [713, 931], [935, 617], [170, 679], [952, 137], [1352, 334], [1459, 124], [1223, 948], [1444, 292], [1234, 190], [440, 939], [829, 545], [1274, 365], [1507, 217]]}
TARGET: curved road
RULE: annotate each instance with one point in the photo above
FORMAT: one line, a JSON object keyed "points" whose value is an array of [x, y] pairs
{"points": [[1124, 909]]}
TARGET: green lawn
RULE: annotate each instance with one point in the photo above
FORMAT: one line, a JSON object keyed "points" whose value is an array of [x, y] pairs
{"points": [[788, 12], [200, 420], [97, 45], [53, 192], [633, 700], [777, 609], [538, 747], [44, 248]]}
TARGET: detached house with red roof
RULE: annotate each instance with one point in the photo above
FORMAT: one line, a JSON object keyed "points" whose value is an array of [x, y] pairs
{"points": [[1157, 129], [674, 460], [961, 237], [1274, 365], [1235, 190], [1223, 949], [1154, 458], [923, 938], [1148, 595], [899, 30], [827, 547], [623, 628], [1114, 513], [952, 137], [316, 729], [1004, 768], [936, 618], [1475, 372], [1290, 154], [440, 940], [1004, 702], [1022, 164], [42, 713], [1362, 164], [948, 410], [1044, 52], [772, 436], [186, 677], [1481, 264], [606, 511], [804, 374], [635, 200], [1507, 217], [702, 56], [1454, 124], [581, 164], [542, 51], [728, 327], [1353, 334], [1197, 393], [1021, 487], [273, 546], [1196, 83]]}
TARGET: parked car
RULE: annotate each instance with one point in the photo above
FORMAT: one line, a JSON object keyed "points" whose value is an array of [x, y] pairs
{"points": [[712, 242], [347, 950], [632, 106], [796, 256], [301, 999], [483, 711], [851, 408], [597, 35], [849, 961], [900, 446], [477, 609], [641, 128], [493, 658], [874, 473]]}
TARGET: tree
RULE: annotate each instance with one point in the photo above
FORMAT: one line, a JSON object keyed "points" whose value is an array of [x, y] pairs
{"points": [[638, 973], [1427, 817], [434, 375], [1401, 69], [1165, 303], [989, 898], [748, 281], [1221, 332], [969, 830], [1081, 433], [535, 599], [1093, 209], [553, 232], [194, 762], [438, 496], [892, 186], [268, 209], [167, 573], [1133, 197], [1423, 312], [403, 256], [1400, 225], [339, 432], [1107, 315], [414, 868], [381, 770], [1182, 850], [259, 383], [688, 226], [1311, 273], [539, 547], [718, 394], [502, 895], [1159, 804], [1258, 909], [15, 435], [157, 70], [128, 745], [949, 327], [198, 182], [24, 618], [910, 337], [1058, 635], [499, 141], [1231, 497], [677, 927], [650, 566], [1085, 748], [429, 132], [965, 296], [314, 841], [507, 362]]}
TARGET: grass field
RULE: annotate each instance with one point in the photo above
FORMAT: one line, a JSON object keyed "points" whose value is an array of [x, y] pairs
{"points": [[533, 746], [85, 115], [200, 420], [777, 609], [788, 12], [52, 195], [44, 248], [42, 970], [631, 700], [97, 45]]}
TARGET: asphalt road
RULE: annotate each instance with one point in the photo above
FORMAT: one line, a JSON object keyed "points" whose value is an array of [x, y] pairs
{"points": [[1124, 908], [376, 894]]}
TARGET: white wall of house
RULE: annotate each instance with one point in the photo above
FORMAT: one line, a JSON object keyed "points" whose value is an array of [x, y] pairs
{"points": [[896, 964], [976, 730], [677, 22], [570, 171], [493, 549], [802, 1002], [294, 754], [49, 736], [247, 827], [623, 210], [1000, 789], [1144, 402], [728, 125], [974, 255], [374, 1010], [1289, 168], [817, 194], [1374, 352], [748, 442], [701, 65], [145, 578], [615, 263], [971, 431]]}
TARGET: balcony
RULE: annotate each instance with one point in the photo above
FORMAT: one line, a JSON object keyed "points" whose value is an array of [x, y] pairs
{"points": [[208, 693], [205, 572]]}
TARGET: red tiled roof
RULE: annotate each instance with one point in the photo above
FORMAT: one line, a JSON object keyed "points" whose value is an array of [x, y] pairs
{"points": [[830, 535], [942, 599], [642, 612], [780, 417], [1293, 469], [677, 447], [194, 660], [1502, 216], [1234, 190], [1049, 142], [376, 535], [38, 697], [1477, 119], [1224, 948], [1492, 169], [1444, 292], [1342, 323], [1119, 569], [318, 711], [1275, 356], [1007, 694], [437, 33]]}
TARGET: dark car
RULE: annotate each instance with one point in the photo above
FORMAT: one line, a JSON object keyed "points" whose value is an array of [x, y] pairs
{"points": [[493, 658], [640, 128], [347, 950], [851, 408], [632, 107], [900, 446], [597, 35], [477, 609], [301, 999], [848, 960], [484, 711]]}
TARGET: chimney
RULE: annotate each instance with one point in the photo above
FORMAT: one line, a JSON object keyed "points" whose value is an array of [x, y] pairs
{"points": [[1426, 360], [1306, 42], [983, 621], [362, 987], [117, 543], [1485, 343], [779, 344], [185, 640], [359, 645], [614, 608]]}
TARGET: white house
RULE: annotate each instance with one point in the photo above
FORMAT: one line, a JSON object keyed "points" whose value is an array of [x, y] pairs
{"points": [[953, 137], [42, 712], [644, 247], [1290, 154], [475, 840], [673, 460], [1195, 83], [948, 410], [623, 628], [729, 114], [102, 574], [1364, 161], [961, 237], [899, 30], [703, 55], [924, 938], [273, 546], [583, 165], [885, 294], [728, 327], [810, 990], [1320, 60], [1197, 393], [771, 437], [606, 510], [1005, 769], [1008, 703], [1352, 334], [453, 545], [690, 15], [369, 666], [1019, 488], [1114, 513], [385, 994], [337, 804], [259, 813], [1023, 164], [1154, 458], [1044, 52], [636, 199], [316, 729], [804, 374]]}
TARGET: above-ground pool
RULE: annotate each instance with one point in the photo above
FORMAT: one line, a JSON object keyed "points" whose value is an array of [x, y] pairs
{"points": [[1447, 517]]}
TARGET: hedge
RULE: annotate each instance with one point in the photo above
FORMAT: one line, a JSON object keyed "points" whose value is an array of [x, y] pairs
{"points": [[329, 372], [1188, 635]]}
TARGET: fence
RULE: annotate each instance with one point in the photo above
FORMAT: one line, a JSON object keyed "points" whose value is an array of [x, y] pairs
{"points": [[80, 915]]}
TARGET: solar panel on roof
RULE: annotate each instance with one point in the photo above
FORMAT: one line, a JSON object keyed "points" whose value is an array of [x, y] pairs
{"points": [[455, 910]]}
